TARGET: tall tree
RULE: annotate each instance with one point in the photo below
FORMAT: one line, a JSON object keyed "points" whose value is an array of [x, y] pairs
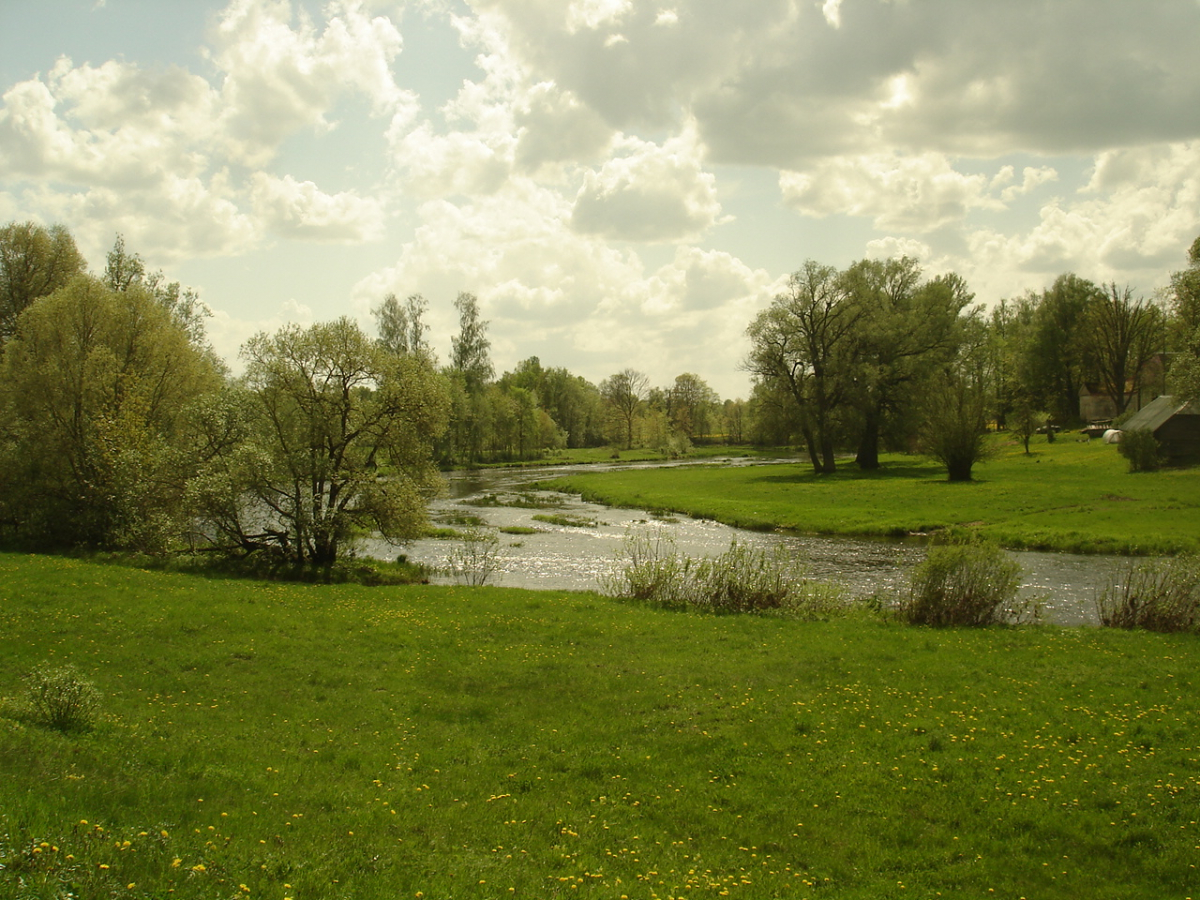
{"points": [[625, 392], [801, 343], [1185, 326], [34, 262], [98, 386], [1060, 346], [402, 327], [332, 408], [1126, 333], [124, 270], [693, 405], [906, 329], [469, 348]]}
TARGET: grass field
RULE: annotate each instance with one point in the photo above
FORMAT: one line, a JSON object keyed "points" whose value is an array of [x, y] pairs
{"points": [[1068, 496], [304, 741]]}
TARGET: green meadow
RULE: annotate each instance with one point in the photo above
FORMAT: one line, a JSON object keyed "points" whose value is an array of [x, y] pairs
{"points": [[267, 740], [1065, 496]]}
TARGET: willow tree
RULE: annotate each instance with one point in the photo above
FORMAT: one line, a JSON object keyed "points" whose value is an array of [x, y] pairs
{"points": [[98, 388], [341, 444]]}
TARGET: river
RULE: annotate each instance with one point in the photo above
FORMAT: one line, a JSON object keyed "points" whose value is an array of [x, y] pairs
{"points": [[583, 543]]}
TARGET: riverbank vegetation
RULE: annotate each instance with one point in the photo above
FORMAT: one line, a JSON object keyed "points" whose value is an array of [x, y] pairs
{"points": [[121, 429], [314, 741], [1067, 496]]}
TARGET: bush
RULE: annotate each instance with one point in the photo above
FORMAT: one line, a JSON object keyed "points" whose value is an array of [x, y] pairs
{"points": [[967, 584], [742, 579], [1156, 595], [1142, 450], [59, 698], [475, 557]]}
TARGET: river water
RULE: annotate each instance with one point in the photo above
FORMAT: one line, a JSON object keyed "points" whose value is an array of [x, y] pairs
{"points": [[583, 541]]}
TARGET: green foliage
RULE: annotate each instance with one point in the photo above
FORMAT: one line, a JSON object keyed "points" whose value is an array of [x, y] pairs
{"points": [[964, 584], [954, 431], [1155, 595], [741, 580], [59, 698], [1141, 448], [99, 390], [34, 262], [331, 436]]}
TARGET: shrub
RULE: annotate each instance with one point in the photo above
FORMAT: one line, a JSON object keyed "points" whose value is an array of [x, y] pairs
{"points": [[1141, 448], [59, 698], [1156, 595], [742, 579], [966, 584], [475, 558]]}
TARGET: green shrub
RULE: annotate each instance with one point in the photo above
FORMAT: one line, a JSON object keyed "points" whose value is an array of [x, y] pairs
{"points": [[742, 579], [967, 584], [59, 698], [1142, 450], [1155, 595]]}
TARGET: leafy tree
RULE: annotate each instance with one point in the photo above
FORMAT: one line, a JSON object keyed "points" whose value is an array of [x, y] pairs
{"points": [[800, 345], [34, 262], [1126, 334], [906, 328], [469, 349], [342, 433], [124, 271], [1058, 353], [1185, 326], [692, 405], [401, 325], [99, 387], [625, 392], [955, 425]]}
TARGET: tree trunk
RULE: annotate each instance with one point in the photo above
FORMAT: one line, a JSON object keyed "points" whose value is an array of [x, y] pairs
{"points": [[868, 446]]}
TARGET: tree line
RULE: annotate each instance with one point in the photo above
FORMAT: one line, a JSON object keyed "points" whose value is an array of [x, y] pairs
{"points": [[878, 356], [120, 427]]}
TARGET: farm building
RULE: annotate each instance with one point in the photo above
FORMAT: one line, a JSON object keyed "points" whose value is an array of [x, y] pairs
{"points": [[1174, 423]]}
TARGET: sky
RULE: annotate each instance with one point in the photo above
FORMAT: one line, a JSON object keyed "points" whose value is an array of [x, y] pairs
{"points": [[621, 183]]}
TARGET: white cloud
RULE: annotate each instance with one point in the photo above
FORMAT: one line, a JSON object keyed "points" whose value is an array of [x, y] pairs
{"points": [[648, 193], [903, 193], [299, 209], [280, 78]]}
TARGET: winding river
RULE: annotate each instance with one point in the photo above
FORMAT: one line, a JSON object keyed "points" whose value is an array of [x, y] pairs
{"points": [[581, 543]]}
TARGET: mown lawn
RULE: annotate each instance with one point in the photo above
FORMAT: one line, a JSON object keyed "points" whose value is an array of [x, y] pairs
{"points": [[270, 740], [1064, 496]]}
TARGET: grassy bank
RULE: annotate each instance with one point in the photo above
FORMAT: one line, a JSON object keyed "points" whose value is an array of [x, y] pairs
{"points": [[268, 740], [1064, 496]]}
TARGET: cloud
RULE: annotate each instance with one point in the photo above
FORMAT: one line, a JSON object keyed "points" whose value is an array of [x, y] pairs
{"points": [[280, 78], [648, 193], [299, 209], [902, 193], [780, 83], [581, 302]]}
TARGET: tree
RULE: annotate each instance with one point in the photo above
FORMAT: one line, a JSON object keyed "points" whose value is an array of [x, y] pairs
{"points": [[402, 326], [1059, 348], [34, 262], [469, 349], [99, 387], [800, 343], [124, 270], [954, 431], [343, 430], [905, 329], [1185, 327], [624, 392], [692, 405], [1126, 334]]}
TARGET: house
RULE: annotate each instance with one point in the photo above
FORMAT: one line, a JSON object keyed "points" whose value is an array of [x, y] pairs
{"points": [[1176, 425]]}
